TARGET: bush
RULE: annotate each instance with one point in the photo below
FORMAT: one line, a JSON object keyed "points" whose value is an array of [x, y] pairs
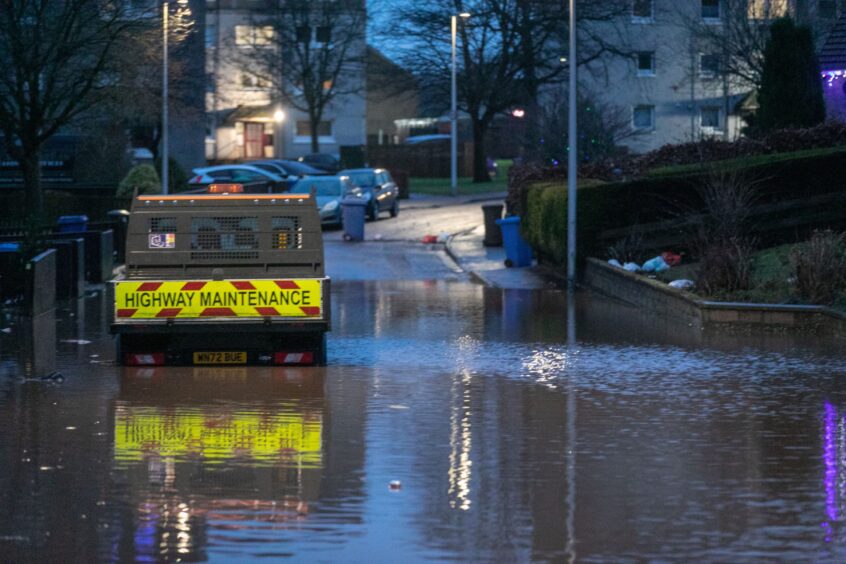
{"points": [[621, 167], [142, 177], [725, 267], [819, 267], [540, 197]]}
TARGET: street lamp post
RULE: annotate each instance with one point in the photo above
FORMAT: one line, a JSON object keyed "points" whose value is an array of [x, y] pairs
{"points": [[165, 156], [453, 114], [278, 118], [572, 161]]}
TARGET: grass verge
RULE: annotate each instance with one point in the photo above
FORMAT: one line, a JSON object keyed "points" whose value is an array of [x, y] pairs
{"points": [[466, 186]]}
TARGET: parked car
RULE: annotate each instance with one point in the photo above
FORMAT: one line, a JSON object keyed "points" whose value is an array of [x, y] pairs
{"points": [[255, 180], [329, 192], [378, 187], [429, 138], [289, 170], [323, 161]]}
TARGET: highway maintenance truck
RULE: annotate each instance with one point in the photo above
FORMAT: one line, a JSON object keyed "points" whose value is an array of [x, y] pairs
{"points": [[222, 277]]}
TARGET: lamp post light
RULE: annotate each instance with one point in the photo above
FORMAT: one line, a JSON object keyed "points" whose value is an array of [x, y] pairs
{"points": [[453, 114], [184, 11], [572, 161], [165, 155]]}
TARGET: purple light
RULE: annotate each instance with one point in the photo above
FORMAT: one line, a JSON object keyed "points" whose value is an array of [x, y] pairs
{"points": [[830, 461], [832, 75]]}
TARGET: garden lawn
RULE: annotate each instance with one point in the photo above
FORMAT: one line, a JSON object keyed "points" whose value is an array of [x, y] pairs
{"points": [[466, 186], [771, 280]]}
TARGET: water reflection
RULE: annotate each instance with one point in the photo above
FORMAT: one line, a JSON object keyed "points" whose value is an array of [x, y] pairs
{"points": [[546, 430], [215, 455]]}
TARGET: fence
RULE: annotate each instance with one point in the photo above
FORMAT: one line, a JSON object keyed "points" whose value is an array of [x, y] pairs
{"points": [[93, 201], [430, 160]]}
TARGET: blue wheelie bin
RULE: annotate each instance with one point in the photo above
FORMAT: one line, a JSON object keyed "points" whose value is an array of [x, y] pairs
{"points": [[353, 210], [517, 250], [72, 223]]}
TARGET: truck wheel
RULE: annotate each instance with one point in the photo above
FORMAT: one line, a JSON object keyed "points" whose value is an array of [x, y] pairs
{"points": [[119, 350], [320, 351]]}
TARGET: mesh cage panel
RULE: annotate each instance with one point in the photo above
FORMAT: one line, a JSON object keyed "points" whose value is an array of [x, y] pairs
{"points": [[287, 233], [224, 233]]}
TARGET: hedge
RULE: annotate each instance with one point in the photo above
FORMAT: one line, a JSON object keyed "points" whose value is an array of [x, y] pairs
{"points": [[617, 205]]}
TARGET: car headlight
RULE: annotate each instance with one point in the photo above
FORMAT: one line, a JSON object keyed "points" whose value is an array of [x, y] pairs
{"points": [[331, 206]]}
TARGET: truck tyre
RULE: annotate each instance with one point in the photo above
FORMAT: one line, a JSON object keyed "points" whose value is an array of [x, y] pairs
{"points": [[320, 351], [119, 352]]}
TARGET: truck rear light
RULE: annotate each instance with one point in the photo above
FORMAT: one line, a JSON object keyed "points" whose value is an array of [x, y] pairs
{"points": [[225, 189], [293, 358], [145, 359]]}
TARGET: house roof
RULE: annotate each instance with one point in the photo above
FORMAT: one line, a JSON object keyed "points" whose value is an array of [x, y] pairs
{"points": [[832, 56]]}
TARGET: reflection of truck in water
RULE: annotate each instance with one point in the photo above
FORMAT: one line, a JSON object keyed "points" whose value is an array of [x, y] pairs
{"points": [[222, 279], [208, 456]]}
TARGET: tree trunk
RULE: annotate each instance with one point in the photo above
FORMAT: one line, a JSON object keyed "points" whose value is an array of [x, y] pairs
{"points": [[315, 143], [480, 163], [34, 198]]}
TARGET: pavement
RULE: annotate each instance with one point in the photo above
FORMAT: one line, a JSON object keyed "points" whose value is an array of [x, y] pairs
{"points": [[486, 264]]}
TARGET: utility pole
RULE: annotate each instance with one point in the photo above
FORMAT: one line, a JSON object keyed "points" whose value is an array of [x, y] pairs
{"points": [[165, 157], [572, 159]]}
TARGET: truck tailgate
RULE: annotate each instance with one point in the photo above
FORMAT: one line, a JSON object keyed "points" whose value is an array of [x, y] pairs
{"points": [[214, 300]]}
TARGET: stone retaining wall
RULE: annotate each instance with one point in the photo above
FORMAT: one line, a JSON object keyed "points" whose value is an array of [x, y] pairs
{"points": [[663, 300]]}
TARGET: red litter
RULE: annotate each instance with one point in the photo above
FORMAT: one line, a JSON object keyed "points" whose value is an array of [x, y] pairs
{"points": [[430, 239]]}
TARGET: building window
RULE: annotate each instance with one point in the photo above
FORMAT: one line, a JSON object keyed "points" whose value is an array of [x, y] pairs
{"points": [[254, 35], [324, 129], [323, 34], [766, 9], [709, 65], [253, 82], [643, 118], [827, 9], [319, 34], [303, 34], [646, 63], [642, 11], [710, 10], [709, 118]]}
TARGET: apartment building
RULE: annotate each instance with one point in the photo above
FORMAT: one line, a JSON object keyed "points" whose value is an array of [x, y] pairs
{"points": [[671, 79], [248, 116]]}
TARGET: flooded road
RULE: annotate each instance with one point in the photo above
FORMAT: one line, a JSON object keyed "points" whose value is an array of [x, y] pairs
{"points": [[454, 422]]}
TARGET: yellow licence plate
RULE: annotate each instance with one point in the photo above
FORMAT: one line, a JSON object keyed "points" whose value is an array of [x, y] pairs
{"points": [[220, 357]]}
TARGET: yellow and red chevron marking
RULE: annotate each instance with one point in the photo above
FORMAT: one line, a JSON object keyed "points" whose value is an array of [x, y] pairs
{"points": [[186, 299]]}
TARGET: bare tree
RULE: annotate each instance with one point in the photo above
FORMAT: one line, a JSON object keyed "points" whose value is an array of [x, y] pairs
{"points": [[602, 127], [311, 53], [508, 51], [57, 60], [135, 96]]}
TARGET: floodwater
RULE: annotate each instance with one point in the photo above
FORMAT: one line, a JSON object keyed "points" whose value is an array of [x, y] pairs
{"points": [[454, 422]]}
